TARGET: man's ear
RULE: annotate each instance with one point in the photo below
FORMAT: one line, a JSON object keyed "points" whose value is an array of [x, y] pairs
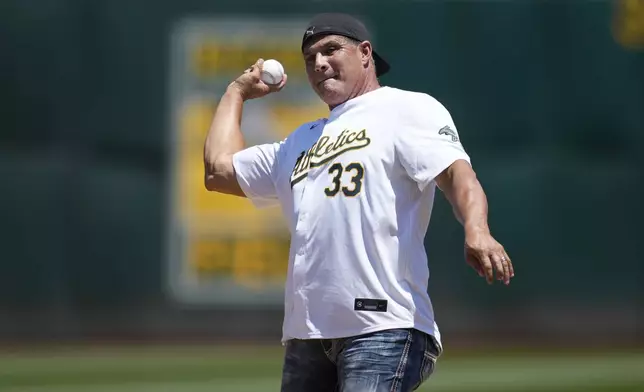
{"points": [[366, 51]]}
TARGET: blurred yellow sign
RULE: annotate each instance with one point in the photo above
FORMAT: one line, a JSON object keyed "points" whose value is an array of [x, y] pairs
{"points": [[628, 23], [221, 248]]}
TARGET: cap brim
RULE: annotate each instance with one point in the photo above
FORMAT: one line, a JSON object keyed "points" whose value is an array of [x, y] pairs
{"points": [[382, 66]]}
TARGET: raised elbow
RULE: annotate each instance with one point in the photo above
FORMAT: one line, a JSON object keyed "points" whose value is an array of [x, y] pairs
{"points": [[220, 176], [216, 177], [210, 183]]}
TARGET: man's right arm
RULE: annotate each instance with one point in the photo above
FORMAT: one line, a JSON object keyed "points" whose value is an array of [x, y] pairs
{"points": [[223, 141], [225, 138]]}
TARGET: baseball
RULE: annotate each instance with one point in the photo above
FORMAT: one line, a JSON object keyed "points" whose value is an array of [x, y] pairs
{"points": [[272, 72]]}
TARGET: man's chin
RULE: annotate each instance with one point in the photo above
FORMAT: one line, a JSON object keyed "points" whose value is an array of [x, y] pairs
{"points": [[331, 97]]}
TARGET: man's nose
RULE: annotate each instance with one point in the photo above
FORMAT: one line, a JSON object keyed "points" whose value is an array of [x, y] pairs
{"points": [[321, 64]]}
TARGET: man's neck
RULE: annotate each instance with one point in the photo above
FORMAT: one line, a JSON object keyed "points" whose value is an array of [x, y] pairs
{"points": [[370, 84]]}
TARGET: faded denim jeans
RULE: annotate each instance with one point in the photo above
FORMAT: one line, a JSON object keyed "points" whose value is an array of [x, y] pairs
{"points": [[397, 360]]}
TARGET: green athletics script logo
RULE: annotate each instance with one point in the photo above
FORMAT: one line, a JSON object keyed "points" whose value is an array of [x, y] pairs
{"points": [[446, 130]]}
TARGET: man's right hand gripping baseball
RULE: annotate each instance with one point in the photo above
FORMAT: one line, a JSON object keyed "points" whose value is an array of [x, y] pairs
{"points": [[224, 136]]}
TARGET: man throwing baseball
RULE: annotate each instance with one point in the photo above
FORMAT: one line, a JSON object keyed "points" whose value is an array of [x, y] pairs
{"points": [[357, 190]]}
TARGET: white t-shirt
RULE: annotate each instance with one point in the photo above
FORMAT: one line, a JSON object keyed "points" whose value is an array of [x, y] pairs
{"points": [[357, 191]]}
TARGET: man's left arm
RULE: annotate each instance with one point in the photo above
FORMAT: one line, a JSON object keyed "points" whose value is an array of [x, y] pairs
{"points": [[430, 150], [465, 193]]}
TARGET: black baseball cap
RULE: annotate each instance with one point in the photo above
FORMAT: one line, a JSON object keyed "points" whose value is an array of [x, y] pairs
{"points": [[344, 25]]}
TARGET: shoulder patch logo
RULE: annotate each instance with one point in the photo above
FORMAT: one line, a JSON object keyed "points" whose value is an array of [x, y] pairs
{"points": [[446, 130]]}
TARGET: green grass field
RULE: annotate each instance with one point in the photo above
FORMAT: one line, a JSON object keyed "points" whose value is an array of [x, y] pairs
{"points": [[257, 369]]}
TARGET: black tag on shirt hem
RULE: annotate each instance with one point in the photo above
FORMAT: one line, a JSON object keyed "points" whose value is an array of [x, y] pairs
{"points": [[370, 305]]}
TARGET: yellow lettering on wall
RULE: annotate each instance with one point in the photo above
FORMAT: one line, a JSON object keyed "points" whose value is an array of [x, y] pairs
{"points": [[214, 58], [210, 257], [252, 263]]}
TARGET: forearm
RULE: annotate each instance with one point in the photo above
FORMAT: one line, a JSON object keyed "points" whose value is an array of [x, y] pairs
{"points": [[466, 195], [225, 136], [223, 140]]}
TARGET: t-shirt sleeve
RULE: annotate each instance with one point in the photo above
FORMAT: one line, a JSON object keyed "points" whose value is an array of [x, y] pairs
{"points": [[428, 142], [256, 171]]}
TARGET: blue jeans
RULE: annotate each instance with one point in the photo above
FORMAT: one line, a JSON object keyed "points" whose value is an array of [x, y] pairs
{"points": [[397, 360]]}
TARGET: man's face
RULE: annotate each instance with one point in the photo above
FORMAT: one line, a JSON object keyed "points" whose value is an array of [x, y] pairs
{"points": [[336, 67]]}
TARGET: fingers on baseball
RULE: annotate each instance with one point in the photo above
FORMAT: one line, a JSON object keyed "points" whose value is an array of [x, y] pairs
{"points": [[258, 67], [279, 86], [255, 68]]}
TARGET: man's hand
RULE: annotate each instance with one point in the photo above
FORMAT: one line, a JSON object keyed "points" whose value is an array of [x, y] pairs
{"points": [[485, 255], [250, 85]]}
